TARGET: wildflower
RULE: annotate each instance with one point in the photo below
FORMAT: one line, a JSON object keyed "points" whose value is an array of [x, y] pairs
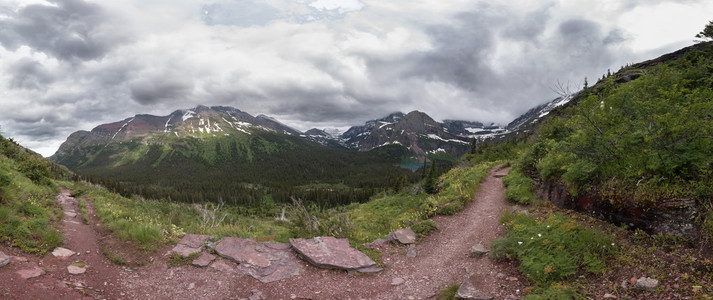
{"points": [[612, 244], [539, 235], [532, 238], [519, 243], [548, 226]]}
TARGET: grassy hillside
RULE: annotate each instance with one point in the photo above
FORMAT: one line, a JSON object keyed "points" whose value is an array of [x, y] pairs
{"points": [[28, 213]]}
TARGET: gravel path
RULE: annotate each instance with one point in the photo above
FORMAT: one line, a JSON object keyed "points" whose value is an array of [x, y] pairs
{"points": [[442, 260]]}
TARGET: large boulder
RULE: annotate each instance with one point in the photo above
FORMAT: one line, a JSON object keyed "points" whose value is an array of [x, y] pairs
{"points": [[332, 253], [403, 236], [266, 262], [190, 243]]}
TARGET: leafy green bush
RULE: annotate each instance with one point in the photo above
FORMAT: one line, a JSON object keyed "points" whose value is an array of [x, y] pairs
{"points": [[423, 227], [450, 208], [519, 187], [553, 248]]}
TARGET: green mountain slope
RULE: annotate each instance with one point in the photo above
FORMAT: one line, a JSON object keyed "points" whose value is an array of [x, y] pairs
{"points": [[636, 148], [221, 154]]}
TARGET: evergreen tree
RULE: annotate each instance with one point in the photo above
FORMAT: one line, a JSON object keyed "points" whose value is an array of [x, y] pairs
{"points": [[423, 174], [586, 84], [707, 33], [474, 146], [429, 185]]}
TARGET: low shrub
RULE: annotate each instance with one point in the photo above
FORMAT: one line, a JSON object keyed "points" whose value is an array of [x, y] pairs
{"points": [[519, 188], [553, 248]]}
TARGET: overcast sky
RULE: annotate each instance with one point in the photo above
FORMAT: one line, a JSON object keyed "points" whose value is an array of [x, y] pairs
{"points": [[68, 65]]}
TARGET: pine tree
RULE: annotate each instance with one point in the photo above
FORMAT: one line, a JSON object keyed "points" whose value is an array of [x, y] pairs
{"points": [[423, 173], [429, 184], [474, 146], [586, 85]]}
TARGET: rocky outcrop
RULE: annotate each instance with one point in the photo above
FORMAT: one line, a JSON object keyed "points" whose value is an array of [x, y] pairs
{"points": [[672, 217], [333, 253], [191, 243], [404, 236], [203, 260], [266, 262]]}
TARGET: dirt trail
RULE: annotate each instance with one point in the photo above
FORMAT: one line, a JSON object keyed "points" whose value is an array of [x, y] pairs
{"points": [[442, 260]]}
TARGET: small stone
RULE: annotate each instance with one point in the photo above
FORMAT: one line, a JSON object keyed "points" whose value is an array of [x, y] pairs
{"points": [[62, 252], [610, 296], [76, 270], [646, 284], [256, 295], [203, 260], [500, 276], [411, 298], [397, 281], [470, 292], [411, 252], [4, 259], [478, 250], [70, 214], [293, 296], [192, 285], [512, 279], [510, 297]]}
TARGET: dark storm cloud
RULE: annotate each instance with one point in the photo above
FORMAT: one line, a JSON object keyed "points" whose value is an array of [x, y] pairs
{"points": [[157, 89], [29, 74], [69, 30]]}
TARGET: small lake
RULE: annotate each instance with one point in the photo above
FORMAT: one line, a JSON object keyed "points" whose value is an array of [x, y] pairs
{"points": [[413, 166]]}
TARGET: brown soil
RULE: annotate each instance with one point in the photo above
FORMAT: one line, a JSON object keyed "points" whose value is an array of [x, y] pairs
{"points": [[442, 260]]}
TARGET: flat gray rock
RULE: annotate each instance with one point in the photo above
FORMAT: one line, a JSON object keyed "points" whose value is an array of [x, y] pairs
{"points": [[70, 214], [469, 292], [203, 260], [378, 244], [331, 253], [190, 243], [403, 236], [35, 271], [477, 250], [646, 284], [75, 270], [411, 251], [62, 252], [397, 281], [4, 259], [266, 262]]}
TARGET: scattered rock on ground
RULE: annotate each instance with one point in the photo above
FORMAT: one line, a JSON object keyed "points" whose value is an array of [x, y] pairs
{"points": [[470, 292], [256, 295], [610, 296], [70, 214], [4, 259], [411, 252], [62, 252], [646, 284], [266, 262], [203, 260], [478, 250], [76, 270], [402, 236], [397, 281], [378, 244], [331, 253], [190, 243], [31, 273]]}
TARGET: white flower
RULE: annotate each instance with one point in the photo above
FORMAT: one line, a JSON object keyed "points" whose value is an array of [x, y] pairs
{"points": [[612, 244], [532, 238], [519, 243], [548, 226], [539, 235]]}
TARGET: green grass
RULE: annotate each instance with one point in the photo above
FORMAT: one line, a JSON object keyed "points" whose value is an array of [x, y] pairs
{"points": [[449, 292], [151, 223], [553, 248], [28, 213]]}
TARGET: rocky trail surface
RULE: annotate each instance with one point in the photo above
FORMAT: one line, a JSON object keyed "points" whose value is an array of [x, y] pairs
{"points": [[418, 271]]}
